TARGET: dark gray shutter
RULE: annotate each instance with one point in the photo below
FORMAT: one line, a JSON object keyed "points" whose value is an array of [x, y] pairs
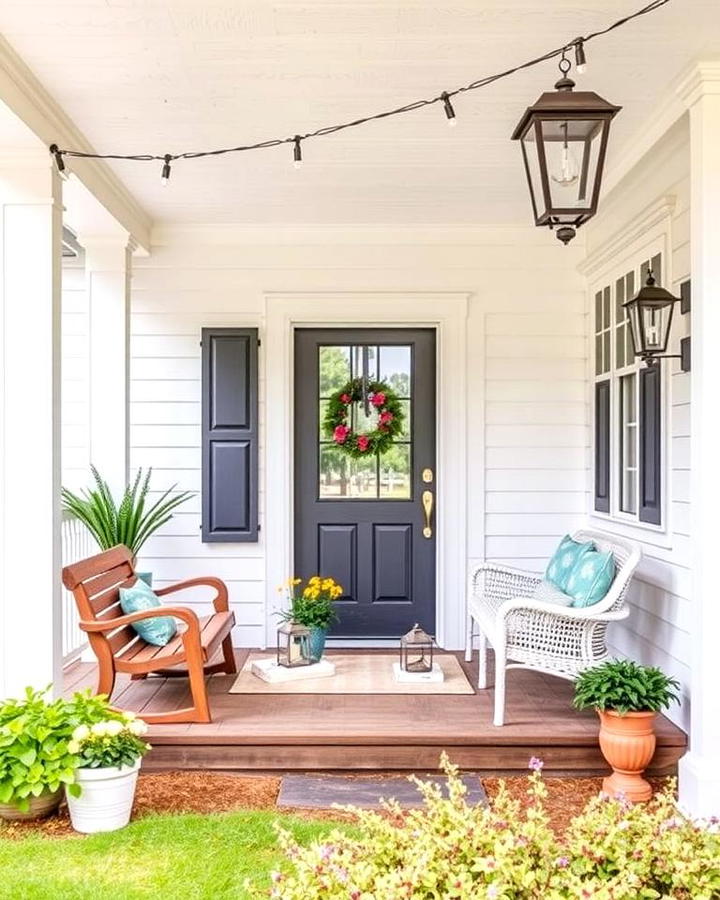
{"points": [[602, 446], [650, 504], [229, 434]]}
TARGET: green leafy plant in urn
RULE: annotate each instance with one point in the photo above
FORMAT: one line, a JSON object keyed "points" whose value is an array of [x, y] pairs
{"points": [[627, 697], [312, 605]]}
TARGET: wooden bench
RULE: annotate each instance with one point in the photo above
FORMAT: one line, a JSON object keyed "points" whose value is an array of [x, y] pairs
{"points": [[95, 584]]}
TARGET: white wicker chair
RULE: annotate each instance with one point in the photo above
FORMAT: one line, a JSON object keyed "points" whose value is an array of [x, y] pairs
{"points": [[557, 640]]}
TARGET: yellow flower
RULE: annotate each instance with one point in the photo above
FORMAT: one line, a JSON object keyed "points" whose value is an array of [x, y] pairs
{"points": [[296, 580]]}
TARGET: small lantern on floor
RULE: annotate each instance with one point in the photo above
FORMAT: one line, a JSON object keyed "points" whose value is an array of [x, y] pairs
{"points": [[293, 645], [650, 314], [564, 138], [416, 651]]}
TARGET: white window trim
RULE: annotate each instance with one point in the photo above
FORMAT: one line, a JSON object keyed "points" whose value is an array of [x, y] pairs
{"points": [[656, 239]]}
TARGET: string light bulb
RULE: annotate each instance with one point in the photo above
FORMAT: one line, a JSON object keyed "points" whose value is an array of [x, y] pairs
{"points": [[449, 111], [297, 153], [165, 177], [580, 60]]}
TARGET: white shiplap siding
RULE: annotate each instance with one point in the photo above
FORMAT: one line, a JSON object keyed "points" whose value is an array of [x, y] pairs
{"points": [[657, 631], [527, 407]]}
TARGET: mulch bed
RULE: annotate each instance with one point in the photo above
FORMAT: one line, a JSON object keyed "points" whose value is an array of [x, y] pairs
{"points": [[200, 792]]}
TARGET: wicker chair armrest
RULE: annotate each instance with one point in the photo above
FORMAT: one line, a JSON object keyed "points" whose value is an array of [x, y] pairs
{"points": [[571, 613], [502, 582], [220, 600]]}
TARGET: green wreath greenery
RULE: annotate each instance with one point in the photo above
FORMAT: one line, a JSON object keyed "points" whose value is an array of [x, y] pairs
{"points": [[389, 422]]}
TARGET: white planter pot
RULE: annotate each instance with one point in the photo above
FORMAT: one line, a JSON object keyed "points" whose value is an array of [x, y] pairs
{"points": [[106, 799]]}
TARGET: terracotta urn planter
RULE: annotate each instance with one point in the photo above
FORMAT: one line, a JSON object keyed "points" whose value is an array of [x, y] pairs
{"points": [[628, 744]]}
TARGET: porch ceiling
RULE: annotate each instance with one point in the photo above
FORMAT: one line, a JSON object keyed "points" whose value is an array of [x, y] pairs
{"points": [[171, 75]]}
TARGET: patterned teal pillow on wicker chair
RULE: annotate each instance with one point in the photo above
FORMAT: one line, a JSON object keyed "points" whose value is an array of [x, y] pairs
{"points": [[564, 559], [591, 578]]}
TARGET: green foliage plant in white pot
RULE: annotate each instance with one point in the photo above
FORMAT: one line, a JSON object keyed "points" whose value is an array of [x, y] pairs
{"points": [[110, 753]]}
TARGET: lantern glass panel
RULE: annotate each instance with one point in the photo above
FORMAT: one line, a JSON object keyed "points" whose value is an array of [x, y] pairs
{"points": [[293, 645], [572, 152], [534, 173], [656, 326]]}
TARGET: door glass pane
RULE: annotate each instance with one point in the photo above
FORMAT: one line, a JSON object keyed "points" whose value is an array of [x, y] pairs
{"points": [[395, 369], [598, 355], [386, 477], [334, 369], [342, 477], [357, 362], [598, 312], [606, 307], [395, 473], [656, 264]]}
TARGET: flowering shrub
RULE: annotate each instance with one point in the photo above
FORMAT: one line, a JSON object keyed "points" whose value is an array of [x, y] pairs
{"points": [[450, 850], [114, 742]]}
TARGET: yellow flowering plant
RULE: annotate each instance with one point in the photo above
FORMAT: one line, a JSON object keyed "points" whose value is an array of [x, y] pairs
{"points": [[311, 602], [452, 850]]}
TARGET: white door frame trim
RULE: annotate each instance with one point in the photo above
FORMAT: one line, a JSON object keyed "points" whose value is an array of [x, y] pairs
{"points": [[447, 313]]}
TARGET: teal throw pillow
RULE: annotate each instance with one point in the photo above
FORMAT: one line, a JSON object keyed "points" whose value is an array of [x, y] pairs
{"points": [[591, 578], [158, 630], [563, 561]]}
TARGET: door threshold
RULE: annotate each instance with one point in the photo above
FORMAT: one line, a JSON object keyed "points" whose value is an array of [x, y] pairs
{"points": [[367, 643]]}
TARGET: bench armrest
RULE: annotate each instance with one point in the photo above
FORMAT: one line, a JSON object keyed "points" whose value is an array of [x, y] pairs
{"points": [[177, 612], [220, 600]]}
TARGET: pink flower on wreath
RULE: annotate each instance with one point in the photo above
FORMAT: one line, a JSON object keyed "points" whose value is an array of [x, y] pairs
{"points": [[363, 442], [340, 434], [385, 417], [378, 399], [345, 398]]}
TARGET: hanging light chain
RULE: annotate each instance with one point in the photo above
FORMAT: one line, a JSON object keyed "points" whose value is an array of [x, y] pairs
{"points": [[578, 44]]}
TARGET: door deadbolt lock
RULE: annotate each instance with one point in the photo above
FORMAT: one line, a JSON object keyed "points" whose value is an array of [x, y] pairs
{"points": [[427, 476]]}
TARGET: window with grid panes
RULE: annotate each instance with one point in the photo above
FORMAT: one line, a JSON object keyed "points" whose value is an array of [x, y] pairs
{"points": [[627, 407]]}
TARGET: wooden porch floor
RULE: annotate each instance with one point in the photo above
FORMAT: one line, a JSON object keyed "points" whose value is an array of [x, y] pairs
{"points": [[330, 732]]}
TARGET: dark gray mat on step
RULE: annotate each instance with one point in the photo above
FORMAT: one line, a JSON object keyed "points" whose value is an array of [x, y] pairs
{"points": [[322, 791]]}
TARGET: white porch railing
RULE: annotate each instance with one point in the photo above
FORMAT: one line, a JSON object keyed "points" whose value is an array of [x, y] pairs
{"points": [[77, 543]]}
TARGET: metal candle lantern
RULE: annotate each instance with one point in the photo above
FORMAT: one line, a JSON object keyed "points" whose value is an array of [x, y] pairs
{"points": [[564, 138], [293, 645], [416, 651], [650, 314]]}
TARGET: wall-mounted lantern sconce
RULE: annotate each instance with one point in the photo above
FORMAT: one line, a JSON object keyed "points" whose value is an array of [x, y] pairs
{"points": [[650, 314]]}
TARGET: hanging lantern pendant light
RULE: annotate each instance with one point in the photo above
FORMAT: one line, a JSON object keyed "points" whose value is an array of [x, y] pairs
{"points": [[564, 140]]}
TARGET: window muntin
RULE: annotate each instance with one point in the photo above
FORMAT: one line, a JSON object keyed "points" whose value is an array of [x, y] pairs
{"points": [[618, 362]]}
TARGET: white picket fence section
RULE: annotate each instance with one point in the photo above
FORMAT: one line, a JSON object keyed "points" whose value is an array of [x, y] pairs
{"points": [[77, 543]]}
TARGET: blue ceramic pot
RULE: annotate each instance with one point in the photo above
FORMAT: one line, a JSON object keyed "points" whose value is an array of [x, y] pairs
{"points": [[317, 642]]}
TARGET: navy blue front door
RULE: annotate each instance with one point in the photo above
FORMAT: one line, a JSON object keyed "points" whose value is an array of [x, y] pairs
{"points": [[368, 523]]}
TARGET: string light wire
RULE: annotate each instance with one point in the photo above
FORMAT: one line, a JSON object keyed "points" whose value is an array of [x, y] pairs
{"points": [[444, 97]]}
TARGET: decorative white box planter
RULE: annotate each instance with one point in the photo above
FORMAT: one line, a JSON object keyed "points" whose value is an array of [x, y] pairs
{"points": [[106, 800]]}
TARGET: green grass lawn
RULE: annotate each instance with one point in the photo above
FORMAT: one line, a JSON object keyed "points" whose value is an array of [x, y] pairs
{"points": [[170, 857]]}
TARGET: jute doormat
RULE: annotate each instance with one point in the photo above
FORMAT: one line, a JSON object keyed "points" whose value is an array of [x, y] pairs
{"points": [[355, 673]]}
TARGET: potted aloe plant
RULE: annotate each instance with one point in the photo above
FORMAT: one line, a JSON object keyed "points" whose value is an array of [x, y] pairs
{"points": [[627, 698], [129, 522], [110, 753]]}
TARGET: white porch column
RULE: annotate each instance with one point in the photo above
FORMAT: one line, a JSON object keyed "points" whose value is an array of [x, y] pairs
{"points": [[30, 558], [700, 769], [107, 268]]}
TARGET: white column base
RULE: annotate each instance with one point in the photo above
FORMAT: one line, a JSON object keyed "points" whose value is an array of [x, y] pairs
{"points": [[699, 784]]}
